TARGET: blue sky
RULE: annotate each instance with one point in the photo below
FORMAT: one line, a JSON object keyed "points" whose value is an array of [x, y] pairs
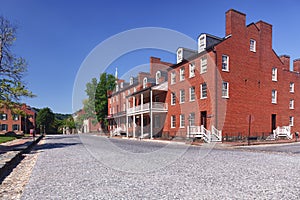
{"points": [[55, 36]]}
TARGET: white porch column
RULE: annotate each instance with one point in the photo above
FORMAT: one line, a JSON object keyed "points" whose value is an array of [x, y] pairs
{"points": [[151, 116], [133, 126], [142, 125]]}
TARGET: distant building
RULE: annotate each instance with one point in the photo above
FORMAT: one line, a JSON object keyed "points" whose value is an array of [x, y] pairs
{"points": [[20, 124]]}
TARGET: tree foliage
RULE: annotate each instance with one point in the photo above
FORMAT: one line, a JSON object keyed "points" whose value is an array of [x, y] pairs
{"points": [[12, 68], [46, 117], [107, 82]]}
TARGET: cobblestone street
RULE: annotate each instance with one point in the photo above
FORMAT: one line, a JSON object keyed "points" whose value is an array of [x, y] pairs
{"points": [[93, 167]]}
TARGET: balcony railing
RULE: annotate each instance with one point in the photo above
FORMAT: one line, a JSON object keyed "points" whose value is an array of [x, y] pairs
{"points": [[156, 106]]}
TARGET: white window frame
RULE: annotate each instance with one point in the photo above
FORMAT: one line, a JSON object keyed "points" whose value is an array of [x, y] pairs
{"points": [[117, 88], [202, 96], [292, 104], [225, 63], [173, 98], [291, 121], [173, 121], [182, 96], [225, 89], [274, 74], [121, 85], [182, 74], [157, 77], [274, 96], [292, 87], [173, 77], [252, 45], [192, 69], [203, 65], [192, 119], [181, 121], [179, 55], [192, 95]]}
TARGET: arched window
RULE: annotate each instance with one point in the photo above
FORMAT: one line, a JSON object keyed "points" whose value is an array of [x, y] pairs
{"points": [[145, 82], [158, 75]]}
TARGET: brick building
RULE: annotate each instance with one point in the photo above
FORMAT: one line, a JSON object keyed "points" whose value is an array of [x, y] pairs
{"points": [[132, 105], [232, 85], [12, 122]]}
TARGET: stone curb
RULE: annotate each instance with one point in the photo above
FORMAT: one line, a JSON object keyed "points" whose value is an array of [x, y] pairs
{"points": [[10, 159]]}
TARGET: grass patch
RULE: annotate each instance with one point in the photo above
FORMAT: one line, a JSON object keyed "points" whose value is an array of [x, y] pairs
{"points": [[6, 139]]}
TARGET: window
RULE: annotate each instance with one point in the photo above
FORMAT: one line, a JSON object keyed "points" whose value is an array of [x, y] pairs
{"points": [[179, 55], [291, 121], [192, 93], [128, 92], [158, 75], [225, 89], [4, 127], [192, 69], [203, 91], [173, 98], [117, 88], [3, 116], [291, 103], [181, 78], [145, 82], [173, 121], [134, 89], [274, 96], [274, 74], [131, 80], [225, 63], [173, 78], [15, 127], [201, 43], [252, 45], [15, 117], [182, 96], [192, 119], [292, 87], [182, 122], [203, 67]]}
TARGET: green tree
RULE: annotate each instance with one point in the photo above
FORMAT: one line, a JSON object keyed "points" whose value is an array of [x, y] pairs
{"points": [[12, 68], [89, 103], [46, 117], [107, 83]]}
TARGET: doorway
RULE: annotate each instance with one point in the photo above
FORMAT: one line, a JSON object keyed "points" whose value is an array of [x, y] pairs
{"points": [[273, 122], [203, 118]]}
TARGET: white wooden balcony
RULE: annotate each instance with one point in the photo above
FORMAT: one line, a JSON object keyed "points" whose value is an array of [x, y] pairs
{"points": [[144, 108]]}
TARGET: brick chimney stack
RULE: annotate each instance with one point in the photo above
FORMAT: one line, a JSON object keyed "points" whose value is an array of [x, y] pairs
{"points": [[235, 22], [286, 61], [296, 65]]}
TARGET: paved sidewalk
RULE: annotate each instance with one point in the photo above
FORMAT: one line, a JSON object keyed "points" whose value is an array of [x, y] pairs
{"points": [[10, 151]]}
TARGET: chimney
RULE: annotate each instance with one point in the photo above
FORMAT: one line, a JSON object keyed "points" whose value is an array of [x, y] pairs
{"points": [[235, 22], [265, 34], [286, 61], [296, 65]]}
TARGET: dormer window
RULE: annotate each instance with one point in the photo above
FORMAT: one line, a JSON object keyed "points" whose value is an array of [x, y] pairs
{"points": [[179, 55], [117, 88], [145, 82], [252, 45], [131, 81], [121, 85], [158, 76], [201, 43]]}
